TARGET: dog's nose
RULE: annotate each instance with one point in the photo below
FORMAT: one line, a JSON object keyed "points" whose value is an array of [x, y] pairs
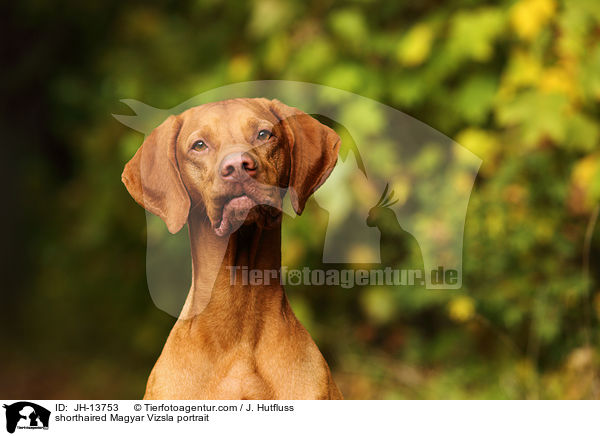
{"points": [[236, 165]]}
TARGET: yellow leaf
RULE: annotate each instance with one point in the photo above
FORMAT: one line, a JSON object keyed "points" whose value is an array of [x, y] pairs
{"points": [[416, 45], [478, 141], [583, 181], [585, 170], [239, 68], [528, 17], [461, 309], [556, 79], [495, 224], [523, 70]]}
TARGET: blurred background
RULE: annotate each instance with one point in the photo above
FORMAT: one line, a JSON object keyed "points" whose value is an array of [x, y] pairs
{"points": [[515, 82]]}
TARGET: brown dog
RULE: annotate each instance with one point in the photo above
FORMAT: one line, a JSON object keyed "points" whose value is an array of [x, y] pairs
{"points": [[224, 168]]}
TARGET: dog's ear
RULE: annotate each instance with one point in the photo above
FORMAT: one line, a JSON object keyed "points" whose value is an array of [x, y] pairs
{"points": [[152, 176], [313, 152]]}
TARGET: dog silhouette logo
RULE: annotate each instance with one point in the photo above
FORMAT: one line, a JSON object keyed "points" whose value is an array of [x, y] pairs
{"points": [[26, 415], [421, 227]]}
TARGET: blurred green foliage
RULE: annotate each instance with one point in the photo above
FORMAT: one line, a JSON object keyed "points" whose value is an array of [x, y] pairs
{"points": [[516, 82]]}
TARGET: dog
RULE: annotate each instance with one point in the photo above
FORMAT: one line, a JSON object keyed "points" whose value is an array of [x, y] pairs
{"points": [[223, 168]]}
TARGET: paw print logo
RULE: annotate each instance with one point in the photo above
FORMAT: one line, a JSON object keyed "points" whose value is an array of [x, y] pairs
{"points": [[294, 277]]}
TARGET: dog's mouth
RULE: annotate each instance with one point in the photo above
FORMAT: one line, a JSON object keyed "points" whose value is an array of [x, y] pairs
{"points": [[235, 212]]}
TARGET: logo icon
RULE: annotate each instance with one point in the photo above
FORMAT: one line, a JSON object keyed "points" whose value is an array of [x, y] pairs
{"points": [[26, 415]]}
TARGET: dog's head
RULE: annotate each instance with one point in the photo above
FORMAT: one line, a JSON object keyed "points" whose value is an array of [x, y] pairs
{"points": [[234, 159]]}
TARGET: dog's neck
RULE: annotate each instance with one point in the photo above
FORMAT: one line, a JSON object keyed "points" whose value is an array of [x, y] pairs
{"points": [[223, 289]]}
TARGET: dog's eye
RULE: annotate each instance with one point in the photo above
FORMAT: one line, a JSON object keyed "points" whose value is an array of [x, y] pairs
{"points": [[199, 145], [264, 135]]}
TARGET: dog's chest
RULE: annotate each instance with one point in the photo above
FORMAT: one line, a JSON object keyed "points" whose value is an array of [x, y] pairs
{"points": [[242, 381], [232, 378]]}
